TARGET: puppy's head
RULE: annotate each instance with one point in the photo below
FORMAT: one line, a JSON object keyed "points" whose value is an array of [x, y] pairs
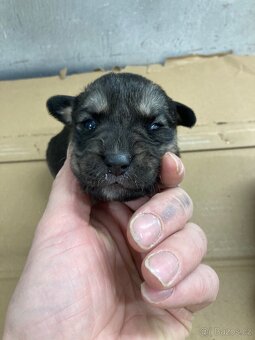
{"points": [[121, 126]]}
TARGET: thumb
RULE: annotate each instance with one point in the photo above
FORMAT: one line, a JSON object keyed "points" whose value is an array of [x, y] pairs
{"points": [[66, 195]]}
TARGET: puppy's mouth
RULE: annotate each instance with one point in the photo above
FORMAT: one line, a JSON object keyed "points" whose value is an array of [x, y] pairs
{"points": [[116, 181], [119, 188], [106, 186]]}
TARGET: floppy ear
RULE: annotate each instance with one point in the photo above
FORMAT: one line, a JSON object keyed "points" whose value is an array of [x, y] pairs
{"points": [[60, 107], [185, 116]]}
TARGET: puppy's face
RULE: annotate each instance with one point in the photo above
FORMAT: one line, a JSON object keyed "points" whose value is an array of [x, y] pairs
{"points": [[121, 126]]}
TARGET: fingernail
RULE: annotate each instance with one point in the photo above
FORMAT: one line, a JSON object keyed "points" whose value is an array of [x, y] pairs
{"points": [[164, 266], [146, 229], [178, 162], [155, 296]]}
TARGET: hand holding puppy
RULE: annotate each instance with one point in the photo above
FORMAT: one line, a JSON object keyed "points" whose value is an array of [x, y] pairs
{"points": [[113, 270]]}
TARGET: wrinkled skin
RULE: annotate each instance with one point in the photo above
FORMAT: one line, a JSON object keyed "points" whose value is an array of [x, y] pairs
{"points": [[83, 275]]}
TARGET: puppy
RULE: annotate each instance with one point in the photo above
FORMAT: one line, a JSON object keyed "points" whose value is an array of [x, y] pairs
{"points": [[119, 128]]}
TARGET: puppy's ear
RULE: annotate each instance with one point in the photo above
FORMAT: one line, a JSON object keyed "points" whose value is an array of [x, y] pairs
{"points": [[60, 107], [185, 116]]}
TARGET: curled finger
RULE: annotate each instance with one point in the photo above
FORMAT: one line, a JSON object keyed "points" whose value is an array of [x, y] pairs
{"points": [[163, 215], [196, 291], [174, 258]]}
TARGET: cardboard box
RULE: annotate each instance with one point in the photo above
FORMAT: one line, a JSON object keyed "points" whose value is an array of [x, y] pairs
{"points": [[218, 153]]}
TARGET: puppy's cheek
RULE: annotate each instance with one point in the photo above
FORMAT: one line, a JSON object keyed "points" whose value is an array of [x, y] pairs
{"points": [[147, 171], [80, 168], [75, 167], [73, 162], [171, 147]]}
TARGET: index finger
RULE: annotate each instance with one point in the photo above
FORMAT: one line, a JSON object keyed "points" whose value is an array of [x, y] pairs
{"points": [[172, 170], [171, 174]]}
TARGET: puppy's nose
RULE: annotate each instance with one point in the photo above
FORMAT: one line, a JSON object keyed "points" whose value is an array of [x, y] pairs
{"points": [[117, 163]]}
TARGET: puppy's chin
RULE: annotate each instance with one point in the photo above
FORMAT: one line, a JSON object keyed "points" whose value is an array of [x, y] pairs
{"points": [[108, 188], [116, 192]]}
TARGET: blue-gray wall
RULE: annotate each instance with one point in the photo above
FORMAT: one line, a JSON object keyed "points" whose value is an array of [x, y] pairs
{"points": [[38, 37]]}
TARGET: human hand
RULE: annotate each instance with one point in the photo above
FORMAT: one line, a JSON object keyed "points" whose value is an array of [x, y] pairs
{"points": [[91, 274]]}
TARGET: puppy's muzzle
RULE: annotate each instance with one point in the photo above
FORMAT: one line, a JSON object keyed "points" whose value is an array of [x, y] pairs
{"points": [[118, 163]]}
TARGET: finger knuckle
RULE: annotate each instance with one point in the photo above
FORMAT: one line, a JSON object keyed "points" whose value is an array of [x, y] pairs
{"points": [[199, 239], [184, 202], [211, 281], [202, 290]]}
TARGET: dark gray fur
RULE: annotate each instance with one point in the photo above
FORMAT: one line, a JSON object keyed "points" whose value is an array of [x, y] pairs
{"points": [[118, 116]]}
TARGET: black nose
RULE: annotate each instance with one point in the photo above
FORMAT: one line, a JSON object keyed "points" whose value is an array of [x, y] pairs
{"points": [[117, 163]]}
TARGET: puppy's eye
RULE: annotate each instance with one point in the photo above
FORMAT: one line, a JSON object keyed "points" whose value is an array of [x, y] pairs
{"points": [[155, 126], [89, 124]]}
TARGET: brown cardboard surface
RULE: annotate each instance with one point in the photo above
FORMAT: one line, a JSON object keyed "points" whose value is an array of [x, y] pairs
{"points": [[220, 89], [232, 315], [219, 156]]}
